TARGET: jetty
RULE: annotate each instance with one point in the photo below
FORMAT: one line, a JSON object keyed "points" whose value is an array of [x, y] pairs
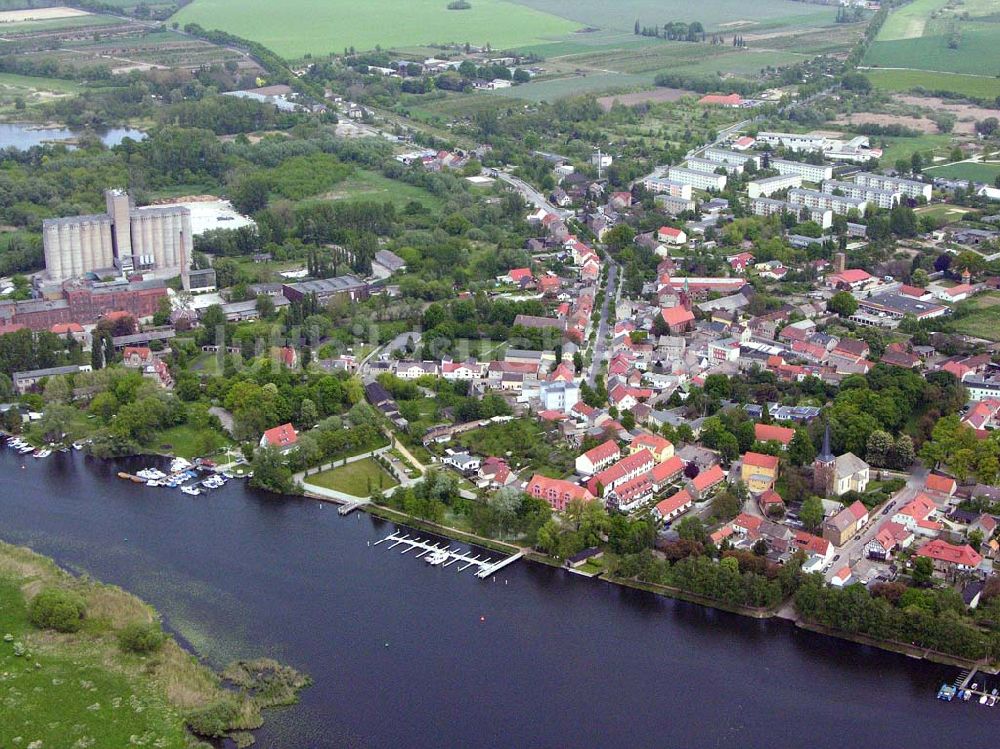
{"points": [[485, 565]]}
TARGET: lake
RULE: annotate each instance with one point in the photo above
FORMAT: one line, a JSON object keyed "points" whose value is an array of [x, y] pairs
{"points": [[23, 136], [407, 655]]}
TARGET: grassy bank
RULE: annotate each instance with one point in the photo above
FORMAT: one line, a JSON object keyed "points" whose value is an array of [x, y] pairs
{"points": [[89, 688]]}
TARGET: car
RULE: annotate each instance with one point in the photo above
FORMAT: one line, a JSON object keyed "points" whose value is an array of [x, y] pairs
{"points": [[836, 557]]}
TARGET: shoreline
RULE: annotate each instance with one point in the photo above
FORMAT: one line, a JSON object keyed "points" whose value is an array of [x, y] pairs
{"points": [[532, 555]]}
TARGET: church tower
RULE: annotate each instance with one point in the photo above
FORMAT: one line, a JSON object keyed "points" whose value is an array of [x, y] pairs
{"points": [[824, 467]]}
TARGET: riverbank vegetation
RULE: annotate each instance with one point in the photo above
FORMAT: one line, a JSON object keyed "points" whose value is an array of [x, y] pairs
{"points": [[86, 664]]}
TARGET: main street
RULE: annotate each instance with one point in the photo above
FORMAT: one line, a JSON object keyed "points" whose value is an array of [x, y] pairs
{"points": [[611, 294], [854, 549]]}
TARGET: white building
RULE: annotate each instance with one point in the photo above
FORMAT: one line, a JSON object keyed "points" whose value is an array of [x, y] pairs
{"points": [[558, 396], [697, 180], [770, 207], [793, 141], [767, 186], [672, 188], [814, 199], [878, 196], [809, 172], [908, 187], [709, 167], [724, 156], [673, 206]]}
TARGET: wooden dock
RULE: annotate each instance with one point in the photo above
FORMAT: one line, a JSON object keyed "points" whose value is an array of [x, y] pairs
{"points": [[486, 565]]}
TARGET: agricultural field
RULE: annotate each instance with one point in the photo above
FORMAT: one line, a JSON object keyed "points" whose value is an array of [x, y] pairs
{"points": [[970, 170], [301, 27], [723, 15], [358, 479], [977, 87], [940, 35], [979, 317]]}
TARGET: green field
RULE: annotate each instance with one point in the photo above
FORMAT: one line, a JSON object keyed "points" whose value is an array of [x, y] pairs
{"points": [[907, 80], [321, 26], [984, 319], [357, 479], [367, 185], [720, 14], [56, 24], [936, 35], [31, 84], [977, 172]]}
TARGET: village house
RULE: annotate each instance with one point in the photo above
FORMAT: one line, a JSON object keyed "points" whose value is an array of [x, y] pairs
{"points": [[759, 471], [773, 433], [557, 492], [888, 539], [950, 558], [660, 448], [839, 528], [624, 470], [283, 438], [598, 458], [916, 514], [673, 506]]}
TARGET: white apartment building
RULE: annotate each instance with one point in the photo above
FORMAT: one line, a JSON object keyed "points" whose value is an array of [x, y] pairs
{"points": [[770, 207], [814, 199], [809, 172], [881, 198], [709, 167], [909, 187], [697, 180], [767, 186], [662, 186], [725, 156], [673, 206]]}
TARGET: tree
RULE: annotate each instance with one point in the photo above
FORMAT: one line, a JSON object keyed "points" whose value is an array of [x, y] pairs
{"points": [[690, 528], [725, 506], [265, 306], [811, 513], [628, 420], [920, 278], [141, 638], [801, 450], [843, 304], [270, 471], [923, 570], [505, 504]]}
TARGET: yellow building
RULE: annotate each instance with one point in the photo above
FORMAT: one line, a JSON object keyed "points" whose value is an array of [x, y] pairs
{"points": [[759, 472], [661, 449]]}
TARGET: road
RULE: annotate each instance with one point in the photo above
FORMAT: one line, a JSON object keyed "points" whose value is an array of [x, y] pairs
{"points": [[854, 549], [528, 192], [611, 293]]}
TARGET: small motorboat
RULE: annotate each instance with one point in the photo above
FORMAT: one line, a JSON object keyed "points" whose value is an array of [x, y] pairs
{"points": [[43, 453], [194, 491], [437, 557], [982, 700]]}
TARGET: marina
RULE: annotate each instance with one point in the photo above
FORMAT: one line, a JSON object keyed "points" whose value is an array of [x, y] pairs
{"points": [[442, 555], [970, 686]]}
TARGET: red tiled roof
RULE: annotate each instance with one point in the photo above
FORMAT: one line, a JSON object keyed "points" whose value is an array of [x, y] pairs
{"points": [[748, 522], [673, 503], [281, 436], [937, 483], [669, 231], [673, 316], [602, 452], [653, 441], [942, 551], [851, 275], [771, 497], [708, 478], [760, 460], [767, 432], [623, 467], [667, 469]]}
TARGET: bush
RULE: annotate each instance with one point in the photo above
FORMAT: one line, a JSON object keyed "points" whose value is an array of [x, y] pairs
{"points": [[57, 609], [141, 638], [214, 721]]}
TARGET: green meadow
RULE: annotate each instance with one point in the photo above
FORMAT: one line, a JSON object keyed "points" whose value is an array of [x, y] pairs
{"points": [[297, 27]]}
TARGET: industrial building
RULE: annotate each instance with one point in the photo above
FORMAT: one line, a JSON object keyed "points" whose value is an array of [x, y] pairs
{"points": [[326, 289], [122, 241], [793, 141]]}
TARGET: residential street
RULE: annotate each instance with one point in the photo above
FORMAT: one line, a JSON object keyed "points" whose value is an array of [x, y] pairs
{"points": [[854, 549], [612, 292]]}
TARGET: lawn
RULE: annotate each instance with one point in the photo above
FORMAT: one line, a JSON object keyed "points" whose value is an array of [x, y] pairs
{"points": [[357, 479], [979, 317], [30, 84], [978, 87], [188, 441], [904, 148], [908, 21], [368, 185], [298, 27], [971, 170], [942, 212]]}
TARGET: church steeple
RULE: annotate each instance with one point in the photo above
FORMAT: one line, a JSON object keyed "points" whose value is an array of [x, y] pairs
{"points": [[826, 456]]}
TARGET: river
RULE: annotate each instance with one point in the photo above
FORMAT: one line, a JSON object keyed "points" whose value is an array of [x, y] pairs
{"points": [[406, 655]]}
